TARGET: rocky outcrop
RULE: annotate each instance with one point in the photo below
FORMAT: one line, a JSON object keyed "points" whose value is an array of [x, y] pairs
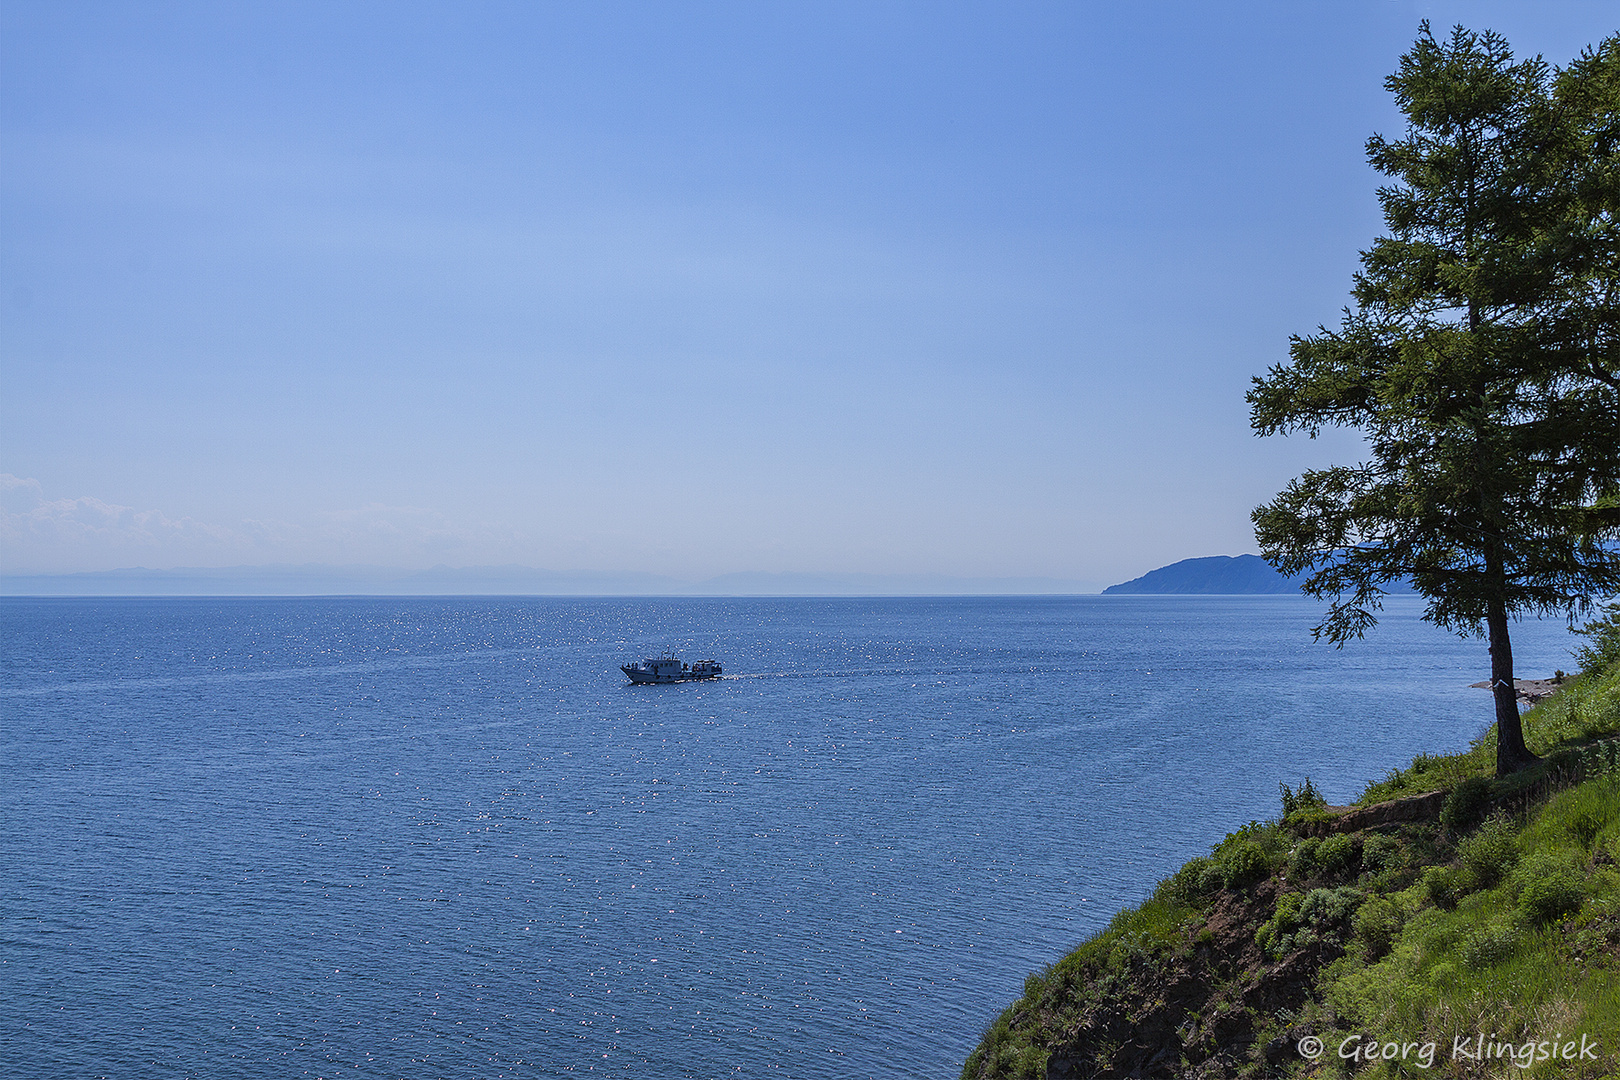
{"points": [[1347, 819]]}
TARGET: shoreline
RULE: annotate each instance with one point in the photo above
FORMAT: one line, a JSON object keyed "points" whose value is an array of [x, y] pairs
{"points": [[1530, 691]]}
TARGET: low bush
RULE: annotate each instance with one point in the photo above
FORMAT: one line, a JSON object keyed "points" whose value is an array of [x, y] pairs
{"points": [[1428, 772], [1580, 819], [1445, 886], [1603, 654], [1306, 820], [1331, 857], [1244, 866], [1338, 855], [1589, 708], [1376, 924], [1250, 854], [1491, 853], [1379, 852], [1302, 860], [1306, 798], [1487, 946], [1550, 894], [1424, 763], [1275, 934], [1600, 759], [1318, 917], [1197, 879], [1467, 804], [1329, 907]]}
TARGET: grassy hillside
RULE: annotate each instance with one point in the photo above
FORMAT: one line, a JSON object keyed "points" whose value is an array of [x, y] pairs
{"points": [[1453, 911]]}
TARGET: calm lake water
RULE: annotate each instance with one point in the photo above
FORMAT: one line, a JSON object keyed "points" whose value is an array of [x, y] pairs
{"points": [[444, 837]]}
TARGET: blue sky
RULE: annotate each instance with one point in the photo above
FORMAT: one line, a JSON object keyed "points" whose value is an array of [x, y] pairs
{"points": [[683, 289]]}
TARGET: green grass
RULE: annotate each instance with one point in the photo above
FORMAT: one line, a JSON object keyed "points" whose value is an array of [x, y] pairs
{"points": [[1502, 962], [1503, 920], [1015, 1045], [1586, 710]]}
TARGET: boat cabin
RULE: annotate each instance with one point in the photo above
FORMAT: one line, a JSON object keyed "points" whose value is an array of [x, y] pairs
{"points": [[670, 669]]}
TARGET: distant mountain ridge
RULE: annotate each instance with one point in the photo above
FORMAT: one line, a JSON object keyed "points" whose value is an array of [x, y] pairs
{"points": [[322, 580], [1214, 574]]}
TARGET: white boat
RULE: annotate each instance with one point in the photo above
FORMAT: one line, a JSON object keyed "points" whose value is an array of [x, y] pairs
{"points": [[669, 669]]}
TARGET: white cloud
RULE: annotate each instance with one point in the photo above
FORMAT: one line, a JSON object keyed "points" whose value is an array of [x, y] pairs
{"points": [[15, 490], [43, 535]]}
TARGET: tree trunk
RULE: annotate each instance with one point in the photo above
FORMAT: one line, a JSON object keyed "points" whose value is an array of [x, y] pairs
{"points": [[1511, 753]]}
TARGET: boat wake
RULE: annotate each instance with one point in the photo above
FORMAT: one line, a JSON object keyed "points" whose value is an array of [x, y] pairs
{"points": [[822, 674]]}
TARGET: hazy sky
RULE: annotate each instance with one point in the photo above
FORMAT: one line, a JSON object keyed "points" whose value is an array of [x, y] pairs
{"points": [[966, 289]]}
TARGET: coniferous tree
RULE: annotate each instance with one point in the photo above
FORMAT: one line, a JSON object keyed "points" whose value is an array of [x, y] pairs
{"points": [[1481, 361]]}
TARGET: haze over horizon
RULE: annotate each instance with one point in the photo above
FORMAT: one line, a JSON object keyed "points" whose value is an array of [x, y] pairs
{"points": [[963, 291]]}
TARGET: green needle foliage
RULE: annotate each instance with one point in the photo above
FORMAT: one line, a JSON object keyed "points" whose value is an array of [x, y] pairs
{"points": [[1481, 362]]}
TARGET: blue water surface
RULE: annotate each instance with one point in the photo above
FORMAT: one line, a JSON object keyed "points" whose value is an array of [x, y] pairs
{"points": [[445, 838]]}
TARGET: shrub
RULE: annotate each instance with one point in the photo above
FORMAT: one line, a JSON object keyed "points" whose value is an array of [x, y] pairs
{"points": [[1244, 865], [1249, 854], [1424, 762], [1274, 937], [1379, 852], [1337, 855], [1487, 947], [1490, 853], [1318, 858], [1445, 886], [1306, 798], [1428, 772], [1466, 804], [1376, 924], [1550, 895], [1600, 760], [1327, 907], [1197, 879], [1300, 921], [1302, 863], [1604, 651]]}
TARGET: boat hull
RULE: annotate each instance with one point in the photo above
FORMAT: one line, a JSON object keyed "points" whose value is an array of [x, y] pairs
{"points": [[638, 676], [669, 669]]}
